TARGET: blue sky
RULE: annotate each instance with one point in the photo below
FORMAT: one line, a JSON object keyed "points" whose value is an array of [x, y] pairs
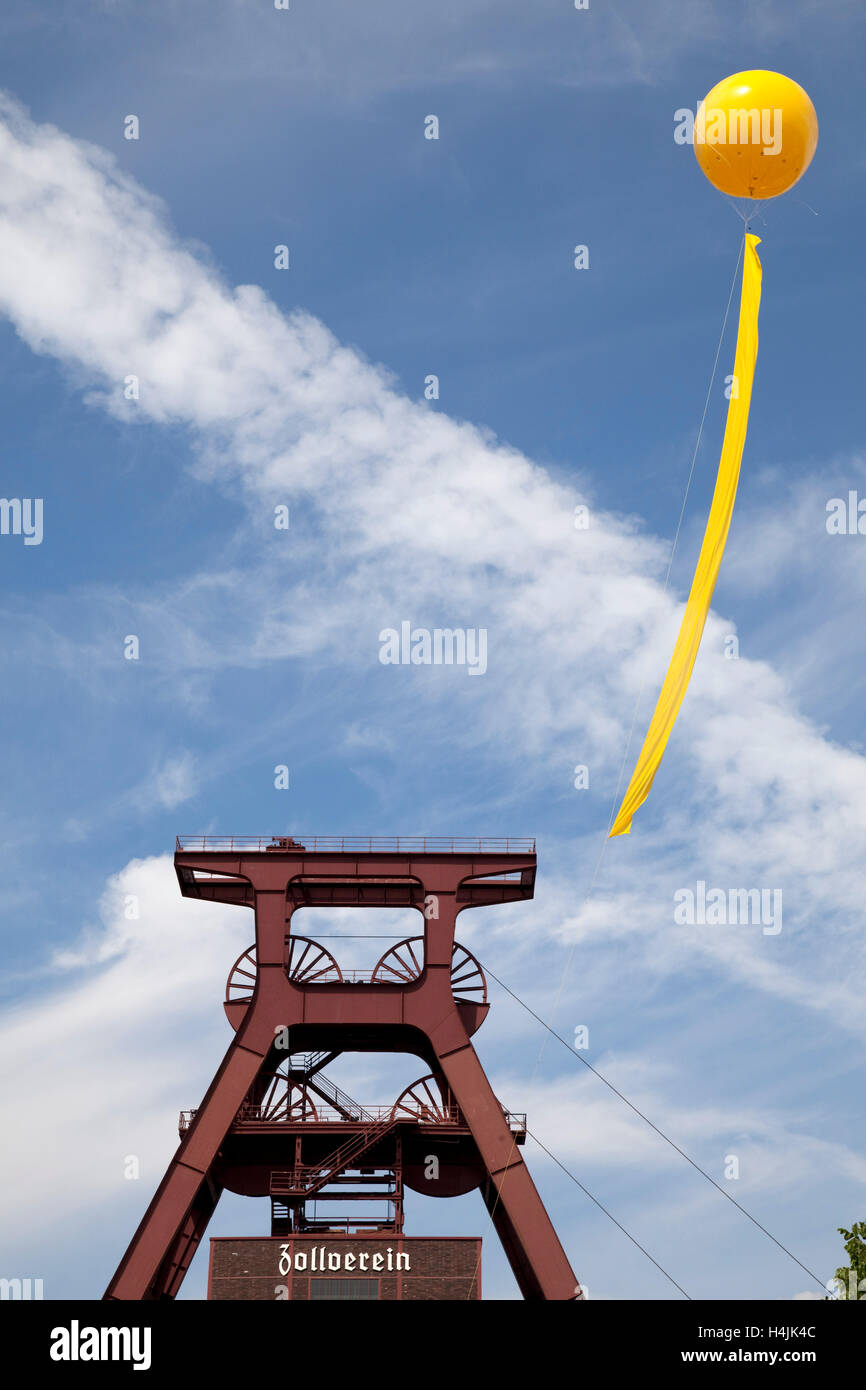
{"points": [[260, 647]]}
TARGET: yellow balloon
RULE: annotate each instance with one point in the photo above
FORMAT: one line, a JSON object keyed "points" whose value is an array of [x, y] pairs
{"points": [[755, 134]]}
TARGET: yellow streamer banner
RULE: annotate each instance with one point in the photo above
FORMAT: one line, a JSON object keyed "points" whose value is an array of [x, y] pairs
{"points": [[713, 548]]}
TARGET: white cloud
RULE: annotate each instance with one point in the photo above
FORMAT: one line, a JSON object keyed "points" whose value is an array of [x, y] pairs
{"points": [[586, 1125], [171, 784], [98, 1067]]}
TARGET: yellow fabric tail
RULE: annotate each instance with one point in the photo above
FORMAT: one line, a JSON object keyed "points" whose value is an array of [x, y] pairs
{"points": [[713, 548]]}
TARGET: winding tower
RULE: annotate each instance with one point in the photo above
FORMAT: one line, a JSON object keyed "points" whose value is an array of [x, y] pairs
{"points": [[272, 1124]]}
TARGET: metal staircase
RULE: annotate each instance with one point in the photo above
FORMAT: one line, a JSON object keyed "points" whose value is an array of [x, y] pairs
{"points": [[311, 1066], [307, 1181]]}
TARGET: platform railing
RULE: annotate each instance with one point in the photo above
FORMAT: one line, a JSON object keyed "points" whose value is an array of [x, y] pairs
{"points": [[365, 977], [348, 1225], [371, 1114], [326, 1114], [355, 844], [516, 1122]]}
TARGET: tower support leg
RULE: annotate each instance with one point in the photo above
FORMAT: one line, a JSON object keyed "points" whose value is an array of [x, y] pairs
{"points": [[163, 1246], [539, 1263], [175, 1265]]}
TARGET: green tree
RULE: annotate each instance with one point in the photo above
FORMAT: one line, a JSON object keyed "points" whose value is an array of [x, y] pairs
{"points": [[851, 1279]]}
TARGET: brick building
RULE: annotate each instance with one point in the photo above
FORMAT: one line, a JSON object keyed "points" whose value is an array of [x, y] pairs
{"points": [[337, 1266]]}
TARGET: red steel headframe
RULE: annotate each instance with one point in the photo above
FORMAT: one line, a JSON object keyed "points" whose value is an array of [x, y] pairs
{"points": [[275, 876]]}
